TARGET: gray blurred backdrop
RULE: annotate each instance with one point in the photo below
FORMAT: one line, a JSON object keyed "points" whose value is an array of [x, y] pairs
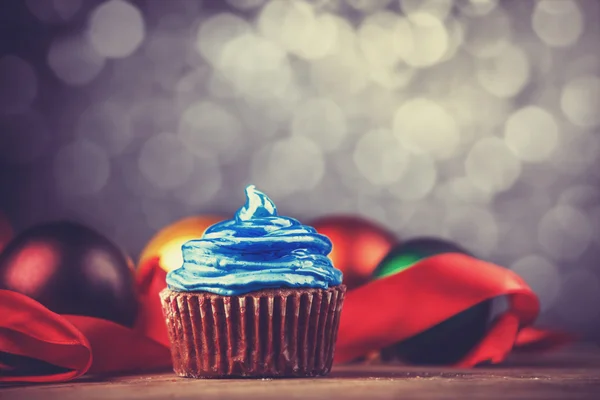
{"points": [[473, 120]]}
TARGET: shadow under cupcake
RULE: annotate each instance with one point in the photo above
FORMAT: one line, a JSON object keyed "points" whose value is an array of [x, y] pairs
{"points": [[256, 296]]}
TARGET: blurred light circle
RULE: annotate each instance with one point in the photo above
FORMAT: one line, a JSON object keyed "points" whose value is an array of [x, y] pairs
{"points": [[328, 5], [456, 38], [517, 226], [451, 79], [184, 10], [221, 87], [421, 218], [532, 134], [471, 226], [488, 35], [289, 165], [580, 196], [368, 6], [460, 190], [379, 157], [116, 28], [283, 21], [582, 291], [430, 40], [134, 76], [476, 7], [558, 23], [322, 120], [203, 183], [438, 8], [540, 177], [346, 172], [343, 70], [258, 122], [268, 78], [66, 9], [165, 161], [245, 5], [208, 128], [106, 124], [23, 137], [53, 11], [580, 100], [491, 166], [157, 212], [586, 64], [216, 32], [475, 111], [515, 241], [179, 19], [505, 74], [190, 84], [128, 170], [43, 10], [18, 84], [425, 127], [392, 78], [542, 276], [81, 168], [152, 115], [295, 26], [131, 231], [564, 233], [74, 61], [166, 48], [377, 104], [385, 38], [594, 216], [319, 40], [418, 179], [579, 152]]}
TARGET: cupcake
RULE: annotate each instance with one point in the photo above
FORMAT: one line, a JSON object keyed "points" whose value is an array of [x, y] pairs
{"points": [[256, 296]]}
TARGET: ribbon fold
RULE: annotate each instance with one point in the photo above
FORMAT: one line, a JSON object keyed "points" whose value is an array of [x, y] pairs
{"points": [[378, 314]]}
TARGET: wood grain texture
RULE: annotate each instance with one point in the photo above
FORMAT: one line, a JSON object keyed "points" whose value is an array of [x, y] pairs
{"points": [[572, 373]]}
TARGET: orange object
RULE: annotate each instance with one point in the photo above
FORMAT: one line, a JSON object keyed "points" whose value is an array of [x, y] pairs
{"points": [[166, 244], [358, 246], [161, 255]]}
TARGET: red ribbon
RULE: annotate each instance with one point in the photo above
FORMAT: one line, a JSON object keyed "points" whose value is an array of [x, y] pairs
{"points": [[29, 329], [378, 314]]}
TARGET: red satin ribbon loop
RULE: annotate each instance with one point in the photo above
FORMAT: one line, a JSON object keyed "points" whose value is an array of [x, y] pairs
{"points": [[29, 329], [428, 293], [376, 315]]}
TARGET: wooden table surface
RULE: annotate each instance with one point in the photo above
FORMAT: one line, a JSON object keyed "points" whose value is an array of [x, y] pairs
{"points": [[572, 373]]}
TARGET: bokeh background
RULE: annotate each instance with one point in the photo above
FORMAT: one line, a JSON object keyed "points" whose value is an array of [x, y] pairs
{"points": [[473, 120]]}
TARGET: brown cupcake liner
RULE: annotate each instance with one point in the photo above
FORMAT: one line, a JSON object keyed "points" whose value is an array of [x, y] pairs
{"points": [[267, 333]]}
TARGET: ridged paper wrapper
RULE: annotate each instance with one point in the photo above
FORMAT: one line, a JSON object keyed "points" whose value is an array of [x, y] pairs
{"points": [[267, 333]]}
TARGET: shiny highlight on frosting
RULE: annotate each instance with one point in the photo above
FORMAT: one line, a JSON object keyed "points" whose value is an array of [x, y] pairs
{"points": [[258, 249]]}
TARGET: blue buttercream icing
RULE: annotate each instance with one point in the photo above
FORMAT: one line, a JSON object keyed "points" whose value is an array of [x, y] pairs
{"points": [[258, 249]]}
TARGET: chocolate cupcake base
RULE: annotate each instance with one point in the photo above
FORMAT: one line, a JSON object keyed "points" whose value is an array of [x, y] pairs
{"points": [[267, 333]]}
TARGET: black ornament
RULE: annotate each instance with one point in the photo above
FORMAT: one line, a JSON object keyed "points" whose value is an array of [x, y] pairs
{"points": [[71, 269], [448, 341]]}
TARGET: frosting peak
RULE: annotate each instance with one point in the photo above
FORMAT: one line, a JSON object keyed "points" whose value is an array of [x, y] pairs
{"points": [[257, 205], [258, 249]]}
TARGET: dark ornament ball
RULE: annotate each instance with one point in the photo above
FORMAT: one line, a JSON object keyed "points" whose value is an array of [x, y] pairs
{"points": [[71, 269], [449, 341]]}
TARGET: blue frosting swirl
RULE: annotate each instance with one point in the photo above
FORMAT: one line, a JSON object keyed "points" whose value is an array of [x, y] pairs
{"points": [[258, 249]]}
